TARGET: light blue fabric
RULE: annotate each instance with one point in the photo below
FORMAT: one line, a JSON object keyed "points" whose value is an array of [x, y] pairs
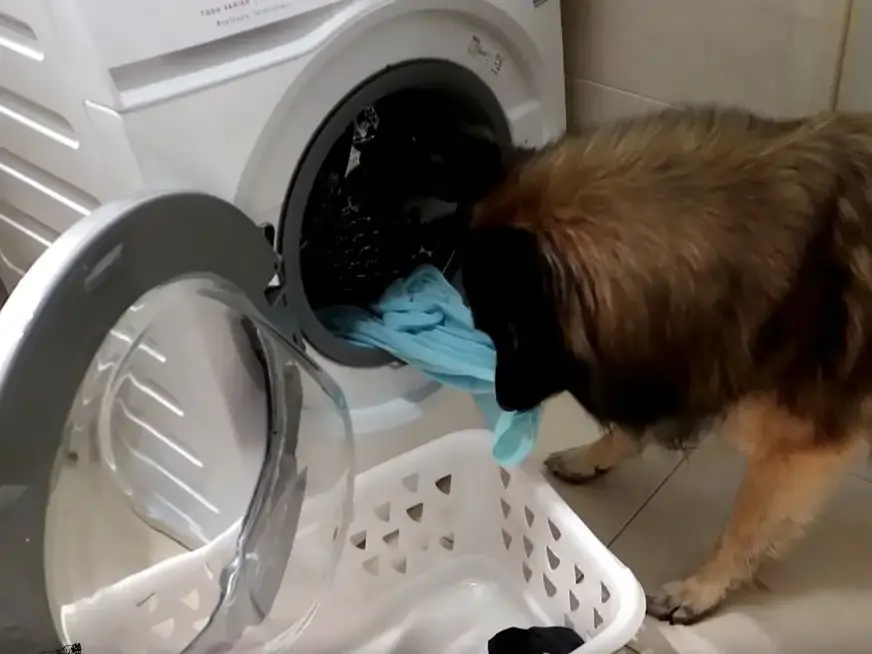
{"points": [[423, 321]]}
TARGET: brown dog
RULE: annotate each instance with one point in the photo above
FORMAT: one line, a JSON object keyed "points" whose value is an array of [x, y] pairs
{"points": [[692, 266]]}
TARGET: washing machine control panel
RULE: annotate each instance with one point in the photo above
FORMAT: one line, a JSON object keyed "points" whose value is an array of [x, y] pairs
{"points": [[128, 32]]}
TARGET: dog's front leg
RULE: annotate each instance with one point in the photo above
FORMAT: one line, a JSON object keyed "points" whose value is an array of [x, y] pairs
{"points": [[788, 477], [581, 464]]}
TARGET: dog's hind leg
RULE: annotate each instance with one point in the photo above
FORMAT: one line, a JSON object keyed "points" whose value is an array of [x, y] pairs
{"points": [[790, 472]]}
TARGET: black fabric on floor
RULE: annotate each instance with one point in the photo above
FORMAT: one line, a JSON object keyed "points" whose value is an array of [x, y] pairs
{"points": [[536, 640]]}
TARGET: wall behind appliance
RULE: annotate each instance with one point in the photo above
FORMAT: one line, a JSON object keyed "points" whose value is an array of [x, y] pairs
{"points": [[779, 57], [855, 86]]}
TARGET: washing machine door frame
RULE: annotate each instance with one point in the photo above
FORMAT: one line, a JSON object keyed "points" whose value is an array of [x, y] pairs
{"points": [[52, 326]]}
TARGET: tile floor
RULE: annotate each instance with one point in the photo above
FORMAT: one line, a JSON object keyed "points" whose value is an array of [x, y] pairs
{"points": [[661, 513]]}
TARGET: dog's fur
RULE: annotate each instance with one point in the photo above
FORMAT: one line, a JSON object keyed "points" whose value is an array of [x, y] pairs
{"points": [[694, 265]]}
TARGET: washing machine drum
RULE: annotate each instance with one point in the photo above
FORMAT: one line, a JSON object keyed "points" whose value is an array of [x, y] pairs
{"points": [[135, 518], [393, 193]]}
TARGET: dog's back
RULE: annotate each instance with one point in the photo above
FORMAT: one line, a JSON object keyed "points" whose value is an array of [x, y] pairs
{"points": [[697, 256]]}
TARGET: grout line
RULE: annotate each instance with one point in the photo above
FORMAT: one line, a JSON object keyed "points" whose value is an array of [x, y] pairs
{"points": [[606, 87], [650, 497], [843, 51]]}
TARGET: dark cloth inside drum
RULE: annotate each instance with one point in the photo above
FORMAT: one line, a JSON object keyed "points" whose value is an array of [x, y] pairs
{"points": [[392, 195]]}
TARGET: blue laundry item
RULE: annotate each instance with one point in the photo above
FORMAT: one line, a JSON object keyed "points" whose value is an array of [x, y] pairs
{"points": [[424, 321]]}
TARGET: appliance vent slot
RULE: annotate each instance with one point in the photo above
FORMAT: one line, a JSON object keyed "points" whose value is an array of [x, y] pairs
{"points": [[22, 240], [19, 38], [26, 225], [46, 184], [37, 118]]}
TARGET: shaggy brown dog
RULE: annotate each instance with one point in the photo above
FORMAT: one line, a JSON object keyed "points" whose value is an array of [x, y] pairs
{"points": [[698, 264]]}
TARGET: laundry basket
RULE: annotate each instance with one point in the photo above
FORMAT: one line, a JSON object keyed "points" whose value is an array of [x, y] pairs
{"points": [[447, 548]]}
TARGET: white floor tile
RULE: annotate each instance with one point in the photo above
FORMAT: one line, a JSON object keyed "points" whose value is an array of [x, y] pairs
{"points": [[679, 525], [864, 468], [809, 602], [609, 503]]}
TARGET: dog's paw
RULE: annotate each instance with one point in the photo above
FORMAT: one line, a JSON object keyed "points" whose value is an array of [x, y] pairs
{"points": [[577, 465], [684, 602]]}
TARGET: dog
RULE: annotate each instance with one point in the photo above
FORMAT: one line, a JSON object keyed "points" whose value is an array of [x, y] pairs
{"points": [[695, 268]]}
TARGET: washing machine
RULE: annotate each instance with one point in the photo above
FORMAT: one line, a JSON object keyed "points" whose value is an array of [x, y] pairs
{"points": [[183, 186]]}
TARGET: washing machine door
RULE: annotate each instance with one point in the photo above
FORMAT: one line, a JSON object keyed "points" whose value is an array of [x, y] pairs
{"points": [[118, 531]]}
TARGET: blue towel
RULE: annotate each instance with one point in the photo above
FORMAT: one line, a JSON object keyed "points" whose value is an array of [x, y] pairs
{"points": [[423, 321]]}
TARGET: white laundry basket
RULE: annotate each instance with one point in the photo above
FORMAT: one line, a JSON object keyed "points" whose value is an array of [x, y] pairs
{"points": [[447, 548]]}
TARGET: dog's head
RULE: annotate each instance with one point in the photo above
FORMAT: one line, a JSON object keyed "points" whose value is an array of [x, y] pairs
{"points": [[509, 291], [512, 291], [539, 288]]}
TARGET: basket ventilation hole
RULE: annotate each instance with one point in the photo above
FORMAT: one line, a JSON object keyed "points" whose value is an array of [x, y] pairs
{"points": [[555, 532], [553, 559], [269, 233], [416, 512], [447, 541], [444, 484], [200, 624], [528, 514], [568, 623], [164, 629], [392, 539], [192, 599], [597, 619], [579, 575], [505, 477], [604, 593], [506, 508], [573, 602], [411, 483], [399, 565], [371, 565], [550, 588], [358, 540], [527, 572], [335, 534], [383, 512], [528, 546], [507, 539]]}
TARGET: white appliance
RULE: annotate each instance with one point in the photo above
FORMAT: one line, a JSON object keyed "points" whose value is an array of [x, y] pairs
{"points": [[111, 103]]}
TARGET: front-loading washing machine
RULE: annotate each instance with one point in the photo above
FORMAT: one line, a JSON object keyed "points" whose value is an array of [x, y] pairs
{"points": [[166, 385]]}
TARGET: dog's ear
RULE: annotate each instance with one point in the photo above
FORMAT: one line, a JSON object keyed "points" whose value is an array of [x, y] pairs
{"points": [[508, 288]]}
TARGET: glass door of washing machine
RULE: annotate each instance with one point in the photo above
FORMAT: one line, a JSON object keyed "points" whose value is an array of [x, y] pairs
{"points": [[175, 471]]}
